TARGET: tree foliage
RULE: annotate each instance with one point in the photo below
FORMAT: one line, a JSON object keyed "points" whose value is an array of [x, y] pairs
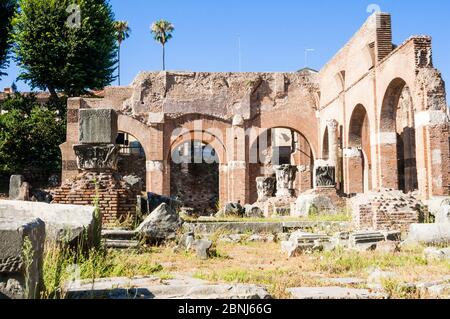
{"points": [[57, 53], [162, 32], [30, 135], [7, 10], [122, 33]]}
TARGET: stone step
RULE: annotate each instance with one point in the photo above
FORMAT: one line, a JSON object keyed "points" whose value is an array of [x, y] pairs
{"points": [[119, 234], [121, 244]]}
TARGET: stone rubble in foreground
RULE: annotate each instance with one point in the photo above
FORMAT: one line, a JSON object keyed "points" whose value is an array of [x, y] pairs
{"points": [[155, 288]]}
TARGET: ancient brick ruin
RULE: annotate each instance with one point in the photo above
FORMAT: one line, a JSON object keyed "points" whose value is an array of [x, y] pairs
{"points": [[374, 117]]}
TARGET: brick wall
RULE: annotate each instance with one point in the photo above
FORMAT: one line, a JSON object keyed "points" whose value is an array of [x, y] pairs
{"points": [[386, 210], [116, 200]]}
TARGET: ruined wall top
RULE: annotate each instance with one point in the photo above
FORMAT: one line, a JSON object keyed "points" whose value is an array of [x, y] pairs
{"points": [[221, 95]]}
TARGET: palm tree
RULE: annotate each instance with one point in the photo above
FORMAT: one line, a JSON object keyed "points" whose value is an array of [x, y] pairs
{"points": [[122, 32], [162, 32]]}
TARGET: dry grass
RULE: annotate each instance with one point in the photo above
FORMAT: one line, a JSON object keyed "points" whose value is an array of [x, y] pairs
{"points": [[264, 264], [256, 263]]}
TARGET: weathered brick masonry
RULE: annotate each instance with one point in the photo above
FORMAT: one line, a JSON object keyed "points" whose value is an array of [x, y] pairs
{"points": [[377, 112], [116, 200]]}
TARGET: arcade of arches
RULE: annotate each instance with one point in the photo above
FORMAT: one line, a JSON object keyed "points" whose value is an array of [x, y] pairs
{"points": [[377, 116]]}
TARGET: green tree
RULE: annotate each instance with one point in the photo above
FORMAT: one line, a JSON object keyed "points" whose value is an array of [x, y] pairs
{"points": [[7, 10], [122, 33], [162, 32], [62, 46], [30, 135]]}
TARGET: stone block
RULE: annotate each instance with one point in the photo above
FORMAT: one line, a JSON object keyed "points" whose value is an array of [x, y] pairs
{"points": [[332, 293], [98, 126], [443, 215], [429, 233], [361, 238], [15, 183], [21, 252], [308, 203], [63, 223], [436, 203], [156, 118], [154, 288]]}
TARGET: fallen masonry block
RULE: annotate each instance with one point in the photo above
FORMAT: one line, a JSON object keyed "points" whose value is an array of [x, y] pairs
{"points": [[155, 288], [302, 237], [21, 251], [63, 223], [293, 249], [360, 238], [332, 293], [438, 233], [433, 253], [161, 225]]}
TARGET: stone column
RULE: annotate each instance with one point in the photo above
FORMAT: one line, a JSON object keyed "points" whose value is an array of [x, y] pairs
{"points": [[285, 175], [353, 160], [265, 187], [333, 142]]}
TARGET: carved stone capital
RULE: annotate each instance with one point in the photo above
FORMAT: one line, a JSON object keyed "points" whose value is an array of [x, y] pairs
{"points": [[286, 175], [99, 157], [234, 165], [265, 187], [154, 166], [352, 152], [325, 176], [332, 125]]}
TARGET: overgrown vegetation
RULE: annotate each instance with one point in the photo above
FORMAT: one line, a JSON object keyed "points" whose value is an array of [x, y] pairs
{"points": [[64, 265], [7, 10], [30, 135], [253, 263], [27, 255]]}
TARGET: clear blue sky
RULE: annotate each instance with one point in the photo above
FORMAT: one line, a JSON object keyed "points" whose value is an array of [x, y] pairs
{"points": [[274, 34]]}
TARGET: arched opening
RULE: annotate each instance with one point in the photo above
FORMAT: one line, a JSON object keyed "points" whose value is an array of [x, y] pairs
{"points": [[194, 176], [278, 146], [358, 158], [131, 160], [398, 138]]}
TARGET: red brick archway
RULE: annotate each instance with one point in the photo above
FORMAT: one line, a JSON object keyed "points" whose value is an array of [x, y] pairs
{"points": [[397, 138], [358, 156], [303, 157]]}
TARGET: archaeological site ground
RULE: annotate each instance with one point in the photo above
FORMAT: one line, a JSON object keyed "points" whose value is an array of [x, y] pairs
{"points": [[329, 184]]}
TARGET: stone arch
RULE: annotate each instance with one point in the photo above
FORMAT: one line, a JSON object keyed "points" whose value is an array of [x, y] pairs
{"points": [[202, 136], [358, 155], [131, 159], [302, 156], [137, 129], [213, 188], [340, 80], [300, 122], [397, 140]]}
